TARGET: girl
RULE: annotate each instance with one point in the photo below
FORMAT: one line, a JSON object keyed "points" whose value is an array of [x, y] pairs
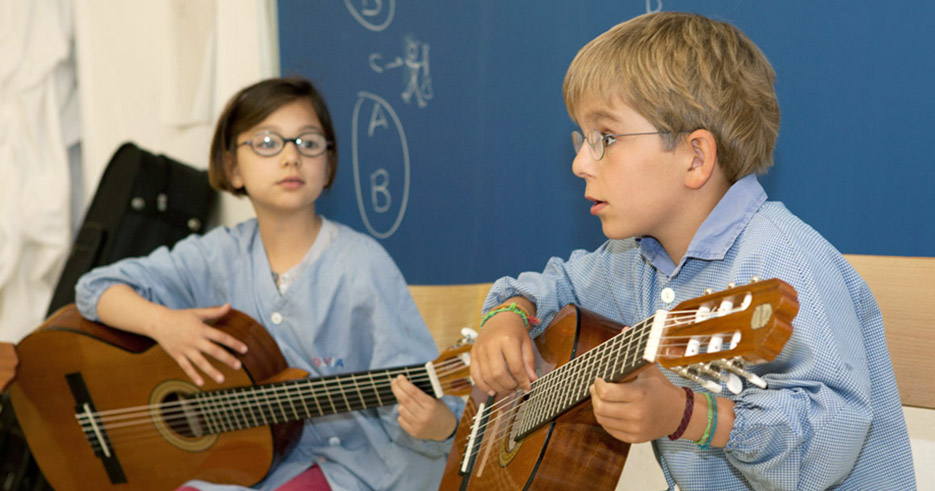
{"points": [[332, 298]]}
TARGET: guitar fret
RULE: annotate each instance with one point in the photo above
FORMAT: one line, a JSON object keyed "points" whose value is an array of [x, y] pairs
{"points": [[295, 412], [334, 410], [261, 404], [237, 409], [226, 424], [363, 402], [301, 387], [250, 409], [347, 404], [313, 394], [373, 386], [206, 414]]}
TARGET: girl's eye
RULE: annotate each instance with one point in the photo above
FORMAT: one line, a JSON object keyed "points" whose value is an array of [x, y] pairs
{"points": [[267, 142]]}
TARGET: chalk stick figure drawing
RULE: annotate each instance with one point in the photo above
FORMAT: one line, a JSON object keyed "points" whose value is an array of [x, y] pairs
{"points": [[374, 15], [415, 67]]}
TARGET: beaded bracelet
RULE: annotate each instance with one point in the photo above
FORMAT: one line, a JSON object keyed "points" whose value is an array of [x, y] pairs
{"points": [[708, 435], [512, 307], [686, 416]]}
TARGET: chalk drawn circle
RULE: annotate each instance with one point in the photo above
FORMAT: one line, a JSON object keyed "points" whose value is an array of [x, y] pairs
{"points": [[391, 9], [404, 146]]}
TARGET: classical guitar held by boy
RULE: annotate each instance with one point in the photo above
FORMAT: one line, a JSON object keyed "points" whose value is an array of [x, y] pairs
{"points": [[548, 438], [104, 409]]}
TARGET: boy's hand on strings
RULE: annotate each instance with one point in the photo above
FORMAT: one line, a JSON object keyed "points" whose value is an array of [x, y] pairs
{"points": [[641, 409], [502, 357], [186, 337], [420, 414]]}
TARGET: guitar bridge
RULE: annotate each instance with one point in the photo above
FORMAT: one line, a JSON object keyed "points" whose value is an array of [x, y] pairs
{"points": [[96, 434]]}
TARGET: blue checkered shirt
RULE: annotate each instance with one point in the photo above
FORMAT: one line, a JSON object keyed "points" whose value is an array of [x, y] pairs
{"points": [[831, 416]]}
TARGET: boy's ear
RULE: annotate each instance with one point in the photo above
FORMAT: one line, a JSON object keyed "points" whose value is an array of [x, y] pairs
{"points": [[703, 149]]}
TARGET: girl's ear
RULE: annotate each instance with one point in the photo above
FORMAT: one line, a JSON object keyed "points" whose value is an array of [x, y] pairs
{"points": [[233, 170], [703, 148]]}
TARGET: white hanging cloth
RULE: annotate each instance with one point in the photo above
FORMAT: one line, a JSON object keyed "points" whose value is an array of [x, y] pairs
{"points": [[38, 121]]}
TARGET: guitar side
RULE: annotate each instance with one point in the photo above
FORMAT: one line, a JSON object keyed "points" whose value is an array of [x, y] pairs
{"points": [[69, 351], [572, 452]]}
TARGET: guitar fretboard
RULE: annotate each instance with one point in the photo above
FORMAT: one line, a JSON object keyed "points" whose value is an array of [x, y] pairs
{"points": [[567, 385], [247, 407]]}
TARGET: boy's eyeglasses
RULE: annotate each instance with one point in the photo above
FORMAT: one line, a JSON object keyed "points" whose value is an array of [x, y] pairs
{"points": [[270, 143], [597, 140]]}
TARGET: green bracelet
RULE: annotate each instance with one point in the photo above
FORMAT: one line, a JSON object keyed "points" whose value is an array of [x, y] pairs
{"points": [[512, 307], [709, 430]]}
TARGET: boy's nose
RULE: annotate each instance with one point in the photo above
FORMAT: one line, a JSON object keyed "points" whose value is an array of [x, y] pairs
{"points": [[583, 163]]}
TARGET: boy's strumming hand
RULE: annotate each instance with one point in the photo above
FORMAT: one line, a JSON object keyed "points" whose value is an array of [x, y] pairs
{"points": [[640, 409], [420, 414], [185, 336], [502, 358]]}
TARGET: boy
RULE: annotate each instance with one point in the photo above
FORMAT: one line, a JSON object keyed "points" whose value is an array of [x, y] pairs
{"points": [[677, 114]]}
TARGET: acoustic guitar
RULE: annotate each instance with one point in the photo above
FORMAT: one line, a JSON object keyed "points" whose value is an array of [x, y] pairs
{"points": [[548, 437], [105, 409]]}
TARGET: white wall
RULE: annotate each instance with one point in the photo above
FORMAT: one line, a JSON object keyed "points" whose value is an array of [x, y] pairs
{"points": [[159, 72]]}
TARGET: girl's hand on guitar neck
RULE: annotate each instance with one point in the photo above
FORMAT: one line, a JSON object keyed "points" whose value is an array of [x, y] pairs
{"points": [[502, 358], [187, 339], [420, 414]]}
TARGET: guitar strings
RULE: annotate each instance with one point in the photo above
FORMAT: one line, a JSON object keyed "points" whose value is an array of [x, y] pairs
{"points": [[126, 433], [311, 387], [542, 390], [227, 405]]}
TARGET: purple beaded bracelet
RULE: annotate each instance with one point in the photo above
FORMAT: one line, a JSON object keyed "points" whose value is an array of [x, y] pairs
{"points": [[689, 406]]}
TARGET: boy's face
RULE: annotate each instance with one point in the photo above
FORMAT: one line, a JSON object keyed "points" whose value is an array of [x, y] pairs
{"points": [[635, 189]]}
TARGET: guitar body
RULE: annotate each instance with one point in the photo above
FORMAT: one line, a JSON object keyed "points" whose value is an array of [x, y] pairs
{"points": [[69, 356], [571, 452]]}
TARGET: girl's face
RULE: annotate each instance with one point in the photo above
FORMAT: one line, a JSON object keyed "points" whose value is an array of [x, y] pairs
{"points": [[288, 182]]}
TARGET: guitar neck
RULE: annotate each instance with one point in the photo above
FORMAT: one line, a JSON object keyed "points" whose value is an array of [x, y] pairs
{"points": [[246, 407], [568, 385]]}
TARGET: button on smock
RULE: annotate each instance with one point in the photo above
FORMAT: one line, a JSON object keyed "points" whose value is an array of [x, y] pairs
{"points": [[668, 295], [276, 318]]}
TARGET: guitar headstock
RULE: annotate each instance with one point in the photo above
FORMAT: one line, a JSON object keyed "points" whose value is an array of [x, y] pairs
{"points": [[717, 334], [453, 366]]}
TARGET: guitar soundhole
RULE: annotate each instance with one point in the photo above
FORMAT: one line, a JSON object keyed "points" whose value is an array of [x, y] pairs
{"points": [[178, 417], [509, 446], [177, 422]]}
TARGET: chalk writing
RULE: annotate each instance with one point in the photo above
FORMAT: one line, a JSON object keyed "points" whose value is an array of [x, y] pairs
{"points": [[372, 143], [374, 15]]}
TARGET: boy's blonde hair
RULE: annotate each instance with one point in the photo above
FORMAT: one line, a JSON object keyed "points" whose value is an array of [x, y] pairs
{"points": [[684, 72]]}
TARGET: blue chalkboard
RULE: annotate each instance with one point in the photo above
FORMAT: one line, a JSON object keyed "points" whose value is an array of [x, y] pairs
{"points": [[454, 139]]}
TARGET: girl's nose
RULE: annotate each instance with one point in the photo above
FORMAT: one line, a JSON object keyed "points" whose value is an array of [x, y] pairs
{"points": [[290, 155]]}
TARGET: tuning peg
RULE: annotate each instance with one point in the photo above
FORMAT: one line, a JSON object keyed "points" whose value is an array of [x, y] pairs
{"points": [[468, 335], [731, 285], [730, 379], [691, 373], [754, 279], [736, 366]]}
